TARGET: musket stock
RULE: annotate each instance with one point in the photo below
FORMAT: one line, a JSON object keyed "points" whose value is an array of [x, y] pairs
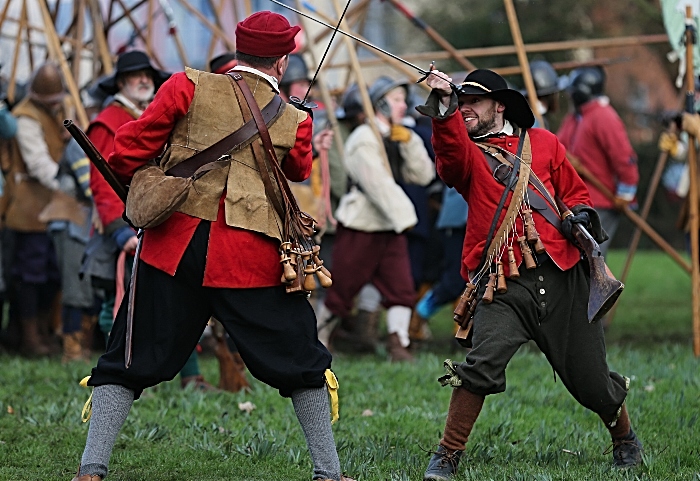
{"points": [[96, 158], [605, 289]]}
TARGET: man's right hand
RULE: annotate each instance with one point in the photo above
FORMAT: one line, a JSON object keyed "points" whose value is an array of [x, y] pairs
{"points": [[439, 81]]}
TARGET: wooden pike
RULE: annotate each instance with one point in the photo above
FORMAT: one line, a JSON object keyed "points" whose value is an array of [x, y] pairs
{"points": [[362, 87], [215, 28], [55, 51], [631, 41], [522, 59], [325, 94], [646, 208], [693, 171], [18, 42], [632, 215]]}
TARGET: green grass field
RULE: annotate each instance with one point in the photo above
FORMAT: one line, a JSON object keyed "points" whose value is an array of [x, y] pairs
{"points": [[390, 414]]}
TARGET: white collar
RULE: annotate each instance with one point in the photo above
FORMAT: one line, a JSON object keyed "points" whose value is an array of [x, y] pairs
{"points": [[119, 97], [272, 80], [507, 130]]}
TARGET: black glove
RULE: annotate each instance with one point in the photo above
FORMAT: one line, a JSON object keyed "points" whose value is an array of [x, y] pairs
{"points": [[567, 225]]}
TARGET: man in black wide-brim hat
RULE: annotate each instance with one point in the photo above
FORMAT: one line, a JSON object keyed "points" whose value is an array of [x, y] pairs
{"points": [[538, 286], [135, 77]]}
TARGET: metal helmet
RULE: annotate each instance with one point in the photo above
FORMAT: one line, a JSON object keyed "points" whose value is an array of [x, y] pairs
{"points": [[586, 83], [296, 70], [382, 86], [46, 85], [350, 103], [544, 77]]}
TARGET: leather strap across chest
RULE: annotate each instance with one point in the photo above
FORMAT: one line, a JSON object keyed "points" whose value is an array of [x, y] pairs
{"points": [[234, 141], [501, 162]]}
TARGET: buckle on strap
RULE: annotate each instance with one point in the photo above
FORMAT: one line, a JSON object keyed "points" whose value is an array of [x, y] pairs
{"points": [[502, 175]]}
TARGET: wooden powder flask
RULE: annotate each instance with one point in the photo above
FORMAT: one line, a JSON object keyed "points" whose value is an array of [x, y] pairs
{"points": [[527, 253], [297, 283], [501, 286], [309, 270], [290, 273], [513, 272], [490, 287], [465, 301], [533, 237], [319, 263], [530, 231]]}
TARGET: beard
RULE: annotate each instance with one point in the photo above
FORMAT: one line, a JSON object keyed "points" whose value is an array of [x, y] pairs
{"points": [[485, 123], [141, 93]]}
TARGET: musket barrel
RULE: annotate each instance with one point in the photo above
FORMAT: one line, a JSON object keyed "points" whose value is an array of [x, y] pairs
{"points": [[96, 158]]}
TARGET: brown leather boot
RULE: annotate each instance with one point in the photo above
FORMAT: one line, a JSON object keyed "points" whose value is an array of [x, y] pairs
{"points": [[72, 347], [358, 334], [397, 353], [87, 329], [32, 345]]}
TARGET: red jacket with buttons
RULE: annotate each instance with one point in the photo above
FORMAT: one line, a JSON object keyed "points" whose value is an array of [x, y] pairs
{"points": [[461, 164], [236, 258]]}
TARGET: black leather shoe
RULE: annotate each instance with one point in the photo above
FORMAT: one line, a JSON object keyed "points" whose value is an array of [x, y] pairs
{"points": [[627, 453], [443, 465]]}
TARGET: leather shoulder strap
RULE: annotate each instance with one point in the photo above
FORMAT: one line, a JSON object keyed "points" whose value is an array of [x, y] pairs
{"points": [[501, 162], [234, 141], [248, 108]]}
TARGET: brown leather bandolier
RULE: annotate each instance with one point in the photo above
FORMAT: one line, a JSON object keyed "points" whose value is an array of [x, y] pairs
{"points": [[516, 180]]}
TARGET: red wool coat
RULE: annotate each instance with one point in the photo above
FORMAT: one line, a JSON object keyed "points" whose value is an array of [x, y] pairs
{"points": [[236, 258], [597, 137], [461, 164], [101, 132]]}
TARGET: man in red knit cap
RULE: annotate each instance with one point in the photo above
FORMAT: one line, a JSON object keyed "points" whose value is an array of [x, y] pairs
{"points": [[217, 255]]}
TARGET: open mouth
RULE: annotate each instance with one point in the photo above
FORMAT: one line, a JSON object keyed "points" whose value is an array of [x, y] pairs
{"points": [[469, 119]]}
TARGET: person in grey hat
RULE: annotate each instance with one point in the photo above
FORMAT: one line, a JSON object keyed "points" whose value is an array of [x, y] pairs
{"points": [[371, 244]]}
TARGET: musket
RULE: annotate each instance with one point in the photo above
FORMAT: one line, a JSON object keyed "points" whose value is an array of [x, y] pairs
{"points": [[96, 158], [422, 71], [605, 289]]}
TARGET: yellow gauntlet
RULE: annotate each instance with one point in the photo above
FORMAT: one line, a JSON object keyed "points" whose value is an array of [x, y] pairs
{"points": [[668, 142], [399, 133]]}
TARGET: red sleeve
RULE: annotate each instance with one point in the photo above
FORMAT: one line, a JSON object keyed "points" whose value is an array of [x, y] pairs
{"points": [[141, 140], [108, 204], [612, 137], [298, 161], [453, 150], [566, 181]]}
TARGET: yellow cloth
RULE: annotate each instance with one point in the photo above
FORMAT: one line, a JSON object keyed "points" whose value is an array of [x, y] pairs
{"points": [[332, 383], [399, 133], [668, 142], [87, 408]]}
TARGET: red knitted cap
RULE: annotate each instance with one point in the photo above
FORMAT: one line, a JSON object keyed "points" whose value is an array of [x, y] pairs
{"points": [[265, 34]]}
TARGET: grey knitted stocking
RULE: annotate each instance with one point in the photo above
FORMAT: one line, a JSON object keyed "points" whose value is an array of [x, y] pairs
{"points": [[110, 406], [313, 411]]}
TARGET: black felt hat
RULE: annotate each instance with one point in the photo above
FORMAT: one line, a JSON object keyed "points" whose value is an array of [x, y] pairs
{"points": [[489, 83], [132, 61]]}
